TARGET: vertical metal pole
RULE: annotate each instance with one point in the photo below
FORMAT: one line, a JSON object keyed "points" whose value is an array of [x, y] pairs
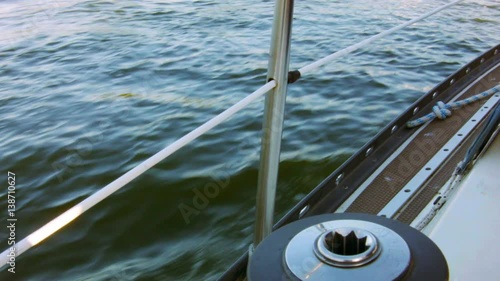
{"points": [[273, 118]]}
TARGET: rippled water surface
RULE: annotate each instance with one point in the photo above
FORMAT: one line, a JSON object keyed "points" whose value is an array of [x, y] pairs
{"points": [[91, 88]]}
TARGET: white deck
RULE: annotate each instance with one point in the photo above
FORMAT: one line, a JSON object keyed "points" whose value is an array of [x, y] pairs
{"points": [[467, 229]]}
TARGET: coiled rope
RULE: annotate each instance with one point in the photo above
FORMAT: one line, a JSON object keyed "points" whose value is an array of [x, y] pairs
{"points": [[443, 111]]}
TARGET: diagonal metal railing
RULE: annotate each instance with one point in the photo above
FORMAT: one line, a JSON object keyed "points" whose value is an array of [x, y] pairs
{"points": [[312, 66], [68, 216]]}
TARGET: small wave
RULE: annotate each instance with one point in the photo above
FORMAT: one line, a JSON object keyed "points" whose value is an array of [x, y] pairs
{"points": [[480, 20]]}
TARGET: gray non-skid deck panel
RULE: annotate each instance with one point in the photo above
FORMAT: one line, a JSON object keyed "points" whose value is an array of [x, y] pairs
{"points": [[431, 187], [429, 190], [413, 158]]}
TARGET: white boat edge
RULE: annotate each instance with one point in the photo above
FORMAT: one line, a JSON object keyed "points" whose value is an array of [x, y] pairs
{"points": [[465, 228]]}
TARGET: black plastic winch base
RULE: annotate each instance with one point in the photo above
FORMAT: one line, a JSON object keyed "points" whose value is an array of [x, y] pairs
{"points": [[427, 261]]}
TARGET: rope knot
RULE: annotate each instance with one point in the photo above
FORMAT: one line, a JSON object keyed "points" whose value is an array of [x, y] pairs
{"points": [[441, 110]]}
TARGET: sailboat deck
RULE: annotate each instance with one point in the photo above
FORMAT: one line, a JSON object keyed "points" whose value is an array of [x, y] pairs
{"points": [[399, 172], [411, 159]]}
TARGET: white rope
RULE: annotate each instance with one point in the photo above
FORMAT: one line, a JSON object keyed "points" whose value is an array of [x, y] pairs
{"points": [[352, 48], [68, 216], [455, 178]]}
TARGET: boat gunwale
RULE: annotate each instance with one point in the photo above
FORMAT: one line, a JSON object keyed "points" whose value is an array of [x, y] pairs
{"points": [[357, 168], [447, 91]]}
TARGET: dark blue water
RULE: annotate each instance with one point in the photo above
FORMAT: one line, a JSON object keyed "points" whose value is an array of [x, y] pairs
{"points": [[89, 89]]}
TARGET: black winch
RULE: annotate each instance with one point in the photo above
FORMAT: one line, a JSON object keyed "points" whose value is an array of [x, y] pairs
{"points": [[347, 246]]}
